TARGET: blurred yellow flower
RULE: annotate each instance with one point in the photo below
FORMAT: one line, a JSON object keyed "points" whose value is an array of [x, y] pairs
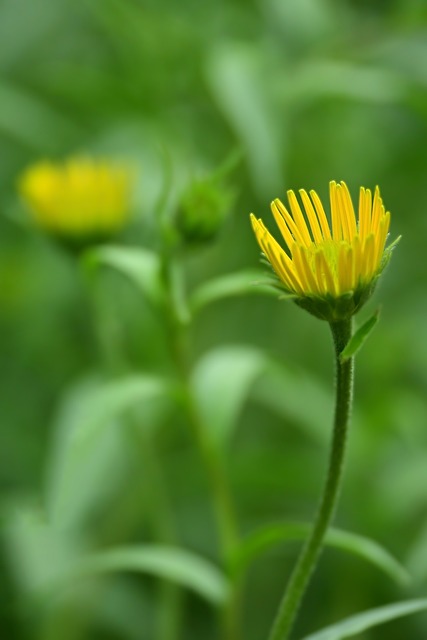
{"points": [[80, 197], [337, 262]]}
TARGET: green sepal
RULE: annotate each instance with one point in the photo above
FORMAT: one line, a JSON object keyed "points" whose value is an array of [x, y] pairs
{"points": [[358, 339], [387, 255], [334, 309], [287, 296], [331, 308], [388, 250]]}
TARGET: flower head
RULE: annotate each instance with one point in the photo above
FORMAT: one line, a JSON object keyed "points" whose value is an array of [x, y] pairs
{"points": [[330, 269], [79, 198]]}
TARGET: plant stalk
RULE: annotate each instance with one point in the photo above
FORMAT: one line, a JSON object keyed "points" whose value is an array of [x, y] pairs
{"points": [[212, 458], [309, 556]]}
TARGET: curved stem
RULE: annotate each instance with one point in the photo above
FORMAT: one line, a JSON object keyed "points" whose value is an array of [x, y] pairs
{"points": [[306, 563]]}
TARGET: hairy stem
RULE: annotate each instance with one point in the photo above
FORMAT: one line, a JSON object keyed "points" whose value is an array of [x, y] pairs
{"points": [[309, 556]]}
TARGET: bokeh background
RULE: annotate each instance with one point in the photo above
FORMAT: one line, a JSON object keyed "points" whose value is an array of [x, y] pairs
{"points": [[307, 91]]}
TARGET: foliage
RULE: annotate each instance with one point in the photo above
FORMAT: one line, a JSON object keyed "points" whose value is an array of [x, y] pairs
{"points": [[97, 458]]}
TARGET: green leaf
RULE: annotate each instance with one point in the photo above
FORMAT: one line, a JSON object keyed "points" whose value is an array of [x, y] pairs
{"points": [[140, 266], [231, 162], [358, 339], [26, 117], [185, 568], [38, 553], [368, 619], [98, 402], [285, 391], [417, 556], [87, 449], [233, 284], [237, 79], [267, 537], [221, 381]]}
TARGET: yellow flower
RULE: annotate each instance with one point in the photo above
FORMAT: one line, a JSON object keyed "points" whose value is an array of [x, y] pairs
{"points": [[78, 198], [331, 270]]}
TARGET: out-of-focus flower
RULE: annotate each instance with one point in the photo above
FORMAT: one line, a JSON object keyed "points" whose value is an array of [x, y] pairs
{"points": [[330, 270], [80, 198], [202, 210]]}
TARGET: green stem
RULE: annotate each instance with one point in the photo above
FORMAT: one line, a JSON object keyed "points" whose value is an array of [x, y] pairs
{"points": [[306, 563], [159, 509], [218, 479], [224, 511], [212, 458], [170, 607]]}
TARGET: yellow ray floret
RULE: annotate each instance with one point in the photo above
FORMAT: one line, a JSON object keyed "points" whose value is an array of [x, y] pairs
{"points": [[321, 258], [78, 197]]}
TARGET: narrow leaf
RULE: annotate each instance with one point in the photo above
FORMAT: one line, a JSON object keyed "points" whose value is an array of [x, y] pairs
{"points": [[267, 537], [417, 557], [178, 565], [238, 84], [284, 390], [25, 117], [86, 446], [92, 406], [368, 619], [358, 339], [140, 266], [233, 159], [221, 381], [233, 284], [38, 553]]}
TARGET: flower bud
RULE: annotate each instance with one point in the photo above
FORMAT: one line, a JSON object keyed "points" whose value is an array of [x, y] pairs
{"points": [[202, 211]]}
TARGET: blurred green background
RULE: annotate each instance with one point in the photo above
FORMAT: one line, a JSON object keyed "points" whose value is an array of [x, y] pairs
{"points": [[309, 91]]}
